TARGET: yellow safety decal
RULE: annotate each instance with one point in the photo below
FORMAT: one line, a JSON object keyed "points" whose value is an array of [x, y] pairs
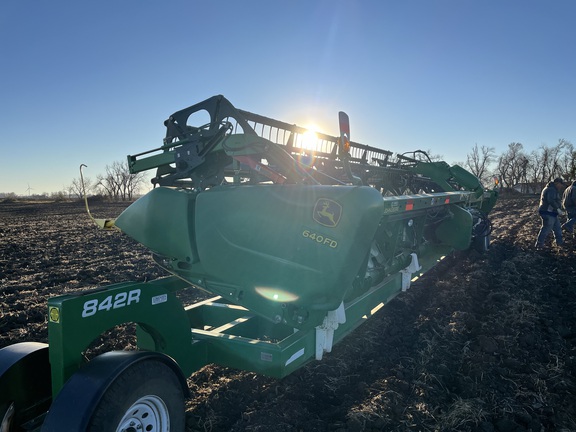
{"points": [[54, 315]]}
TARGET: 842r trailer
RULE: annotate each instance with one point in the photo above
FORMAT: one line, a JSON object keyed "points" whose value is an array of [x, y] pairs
{"points": [[299, 242]]}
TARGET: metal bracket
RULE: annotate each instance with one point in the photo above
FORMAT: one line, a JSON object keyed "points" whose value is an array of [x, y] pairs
{"points": [[407, 272], [325, 331]]}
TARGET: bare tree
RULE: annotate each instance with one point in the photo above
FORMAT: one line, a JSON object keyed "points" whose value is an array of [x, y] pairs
{"points": [[76, 189], [118, 183], [535, 171], [479, 160], [434, 157], [513, 165], [568, 160], [551, 161]]}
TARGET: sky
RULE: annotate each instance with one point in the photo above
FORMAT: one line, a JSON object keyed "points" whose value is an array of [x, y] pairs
{"points": [[89, 82]]}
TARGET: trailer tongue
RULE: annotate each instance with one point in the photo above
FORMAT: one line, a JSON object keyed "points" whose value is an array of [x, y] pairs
{"points": [[300, 243]]}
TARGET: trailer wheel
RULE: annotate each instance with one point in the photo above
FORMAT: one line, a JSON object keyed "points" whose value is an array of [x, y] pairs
{"points": [[25, 384], [146, 397], [121, 391], [482, 228], [482, 243], [7, 416]]}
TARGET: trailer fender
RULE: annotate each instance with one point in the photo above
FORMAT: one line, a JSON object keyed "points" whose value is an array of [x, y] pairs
{"points": [[76, 403]]}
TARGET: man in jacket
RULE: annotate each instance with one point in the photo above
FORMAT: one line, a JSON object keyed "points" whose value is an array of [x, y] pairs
{"points": [[549, 209], [569, 204]]}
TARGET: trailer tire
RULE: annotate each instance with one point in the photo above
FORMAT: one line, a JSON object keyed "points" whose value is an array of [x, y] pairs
{"points": [[25, 384], [122, 391], [148, 395], [7, 411], [482, 243], [482, 228]]}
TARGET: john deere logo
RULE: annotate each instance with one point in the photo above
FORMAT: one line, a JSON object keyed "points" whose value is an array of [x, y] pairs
{"points": [[327, 212]]}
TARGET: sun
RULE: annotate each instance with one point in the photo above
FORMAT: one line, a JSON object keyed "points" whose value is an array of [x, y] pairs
{"points": [[309, 138]]}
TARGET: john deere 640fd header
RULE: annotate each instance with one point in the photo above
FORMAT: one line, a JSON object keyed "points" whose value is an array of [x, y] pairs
{"points": [[300, 243]]}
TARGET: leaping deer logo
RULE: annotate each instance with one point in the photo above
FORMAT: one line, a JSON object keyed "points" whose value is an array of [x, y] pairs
{"points": [[327, 212]]}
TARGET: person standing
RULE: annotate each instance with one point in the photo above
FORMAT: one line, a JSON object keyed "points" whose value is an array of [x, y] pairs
{"points": [[549, 209], [569, 204]]}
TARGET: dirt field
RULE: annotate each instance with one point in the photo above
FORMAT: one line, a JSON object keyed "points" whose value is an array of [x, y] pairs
{"points": [[481, 343]]}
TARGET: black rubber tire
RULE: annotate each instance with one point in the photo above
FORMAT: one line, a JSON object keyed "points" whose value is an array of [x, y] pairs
{"points": [[482, 243], [25, 384], [7, 411], [151, 382]]}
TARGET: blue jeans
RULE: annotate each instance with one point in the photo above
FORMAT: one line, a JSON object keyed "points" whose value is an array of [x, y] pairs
{"points": [[549, 223], [569, 225]]}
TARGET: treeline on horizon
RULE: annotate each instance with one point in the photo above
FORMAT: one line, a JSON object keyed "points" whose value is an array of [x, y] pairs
{"points": [[527, 172], [515, 168]]}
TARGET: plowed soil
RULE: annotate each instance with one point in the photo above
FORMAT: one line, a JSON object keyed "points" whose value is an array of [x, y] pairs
{"points": [[481, 343]]}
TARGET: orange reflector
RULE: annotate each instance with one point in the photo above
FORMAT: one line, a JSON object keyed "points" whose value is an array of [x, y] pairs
{"points": [[410, 205], [346, 145], [447, 201]]}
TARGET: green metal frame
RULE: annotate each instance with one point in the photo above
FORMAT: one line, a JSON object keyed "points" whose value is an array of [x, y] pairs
{"points": [[76, 320], [210, 331]]}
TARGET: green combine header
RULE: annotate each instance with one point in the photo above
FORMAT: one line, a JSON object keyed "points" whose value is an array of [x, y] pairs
{"points": [[299, 243]]}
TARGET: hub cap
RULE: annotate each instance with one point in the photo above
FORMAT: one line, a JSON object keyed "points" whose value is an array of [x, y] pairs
{"points": [[147, 414]]}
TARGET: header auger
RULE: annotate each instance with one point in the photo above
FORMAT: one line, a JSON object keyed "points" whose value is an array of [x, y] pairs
{"points": [[300, 243]]}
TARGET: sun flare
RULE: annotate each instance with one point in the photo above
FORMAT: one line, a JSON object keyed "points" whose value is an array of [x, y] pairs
{"points": [[309, 139]]}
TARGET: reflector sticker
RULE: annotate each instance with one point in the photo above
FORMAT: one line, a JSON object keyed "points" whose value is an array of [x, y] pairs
{"points": [[410, 205], [54, 315], [327, 212]]}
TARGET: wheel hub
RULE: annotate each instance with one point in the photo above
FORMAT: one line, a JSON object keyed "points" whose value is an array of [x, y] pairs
{"points": [[147, 414]]}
